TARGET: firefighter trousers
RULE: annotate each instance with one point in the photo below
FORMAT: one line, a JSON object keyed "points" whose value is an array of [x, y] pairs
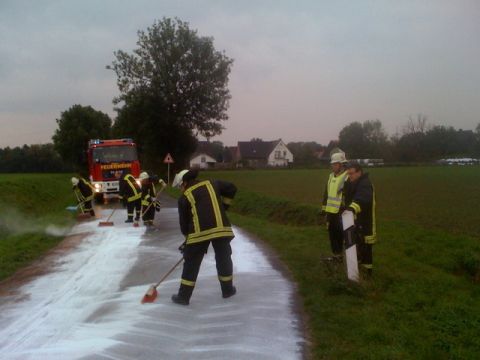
{"points": [[148, 214], [335, 233], [134, 208], [364, 252], [193, 256], [87, 207]]}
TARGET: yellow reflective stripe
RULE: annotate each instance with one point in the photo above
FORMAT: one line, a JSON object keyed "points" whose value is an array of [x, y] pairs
{"points": [[191, 200], [214, 235], [196, 186], [187, 282], [356, 207], [373, 238], [210, 231], [225, 278], [216, 207], [227, 201], [134, 197], [79, 194], [145, 203]]}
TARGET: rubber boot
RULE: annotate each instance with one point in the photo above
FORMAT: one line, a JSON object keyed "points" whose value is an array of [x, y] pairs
{"points": [[228, 290], [129, 220], [183, 296]]}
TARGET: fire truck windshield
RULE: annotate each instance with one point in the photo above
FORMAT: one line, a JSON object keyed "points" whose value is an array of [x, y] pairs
{"points": [[114, 154]]}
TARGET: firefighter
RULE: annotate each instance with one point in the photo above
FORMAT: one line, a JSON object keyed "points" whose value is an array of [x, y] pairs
{"points": [[360, 198], [150, 204], [84, 192], [333, 201], [130, 194], [203, 220]]}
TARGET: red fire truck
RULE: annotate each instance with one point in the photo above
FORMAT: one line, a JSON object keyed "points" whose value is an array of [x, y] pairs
{"points": [[109, 161]]}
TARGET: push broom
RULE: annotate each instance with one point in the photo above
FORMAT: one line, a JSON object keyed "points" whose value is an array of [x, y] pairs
{"points": [[108, 222], [152, 293]]}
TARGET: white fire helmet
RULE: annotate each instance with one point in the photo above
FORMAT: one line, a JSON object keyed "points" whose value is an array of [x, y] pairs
{"points": [[178, 180], [338, 157], [144, 175], [75, 181]]}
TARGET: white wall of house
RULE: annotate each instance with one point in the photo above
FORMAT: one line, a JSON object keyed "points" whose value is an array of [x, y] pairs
{"points": [[280, 156], [202, 161]]}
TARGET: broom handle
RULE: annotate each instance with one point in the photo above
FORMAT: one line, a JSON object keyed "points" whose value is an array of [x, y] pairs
{"points": [[169, 272], [111, 215]]}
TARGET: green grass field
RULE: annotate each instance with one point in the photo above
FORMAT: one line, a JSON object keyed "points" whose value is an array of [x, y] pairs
{"points": [[423, 301], [29, 203]]}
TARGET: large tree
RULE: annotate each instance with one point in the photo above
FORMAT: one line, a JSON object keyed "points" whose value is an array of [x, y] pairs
{"points": [[76, 126], [173, 86]]}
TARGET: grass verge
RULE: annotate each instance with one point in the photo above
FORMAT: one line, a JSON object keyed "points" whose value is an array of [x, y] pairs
{"points": [[32, 213], [420, 304]]}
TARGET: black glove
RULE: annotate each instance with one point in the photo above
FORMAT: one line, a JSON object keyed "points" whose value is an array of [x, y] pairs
{"points": [[157, 206], [181, 248]]}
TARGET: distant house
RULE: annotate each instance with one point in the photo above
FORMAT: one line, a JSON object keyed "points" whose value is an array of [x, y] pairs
{"points": [[259, 153], [203, 158]]}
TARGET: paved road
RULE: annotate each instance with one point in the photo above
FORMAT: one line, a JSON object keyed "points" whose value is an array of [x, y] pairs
{"points": [[89, 307]]}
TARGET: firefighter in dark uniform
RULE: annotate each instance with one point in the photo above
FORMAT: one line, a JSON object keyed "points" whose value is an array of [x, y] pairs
{"points": [[360, 198], [84, 192], [333, 201], [203, 220], [130, 194], [150, 203]]}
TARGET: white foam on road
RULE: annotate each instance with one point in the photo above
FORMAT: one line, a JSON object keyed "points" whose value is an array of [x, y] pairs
{"points": [[59, 303], [78, 311]]}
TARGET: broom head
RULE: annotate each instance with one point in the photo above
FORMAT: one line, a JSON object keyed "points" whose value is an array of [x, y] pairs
{"points": [[150, 295], [105, 223]]}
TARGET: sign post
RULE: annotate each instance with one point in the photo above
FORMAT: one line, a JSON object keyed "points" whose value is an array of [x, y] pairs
{"points": [[168, 160]]}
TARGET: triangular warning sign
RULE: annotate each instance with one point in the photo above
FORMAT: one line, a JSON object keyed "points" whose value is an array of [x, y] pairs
{"points": [[168, 159]]}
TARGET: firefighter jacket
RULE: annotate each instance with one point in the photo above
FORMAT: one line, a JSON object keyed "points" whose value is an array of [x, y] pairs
{"points": [[333, 194], [129, 189], [360, 198], [148, 193], [84, 190], [202, 211]]}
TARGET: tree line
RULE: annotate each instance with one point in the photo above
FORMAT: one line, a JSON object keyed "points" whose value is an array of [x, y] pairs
{"points": [[419, 141], [32, 159]]}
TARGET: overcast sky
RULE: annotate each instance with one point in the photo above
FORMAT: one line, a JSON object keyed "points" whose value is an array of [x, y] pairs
{"points": [[302, 70]]}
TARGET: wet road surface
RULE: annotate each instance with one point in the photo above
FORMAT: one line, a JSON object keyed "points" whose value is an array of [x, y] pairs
{"points": [[88, 307]]}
